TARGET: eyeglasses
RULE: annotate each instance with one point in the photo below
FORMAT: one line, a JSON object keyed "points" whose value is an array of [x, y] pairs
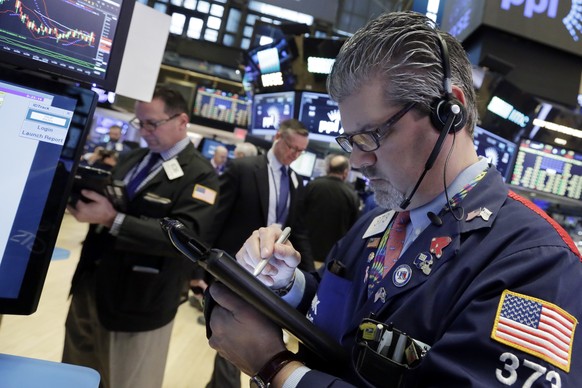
{"points": [[368, 141], [295, 150], [149, 125]]}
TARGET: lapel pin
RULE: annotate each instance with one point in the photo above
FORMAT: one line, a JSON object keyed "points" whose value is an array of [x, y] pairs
{"points": [[437, 244], [423, 262], [380, 294]]}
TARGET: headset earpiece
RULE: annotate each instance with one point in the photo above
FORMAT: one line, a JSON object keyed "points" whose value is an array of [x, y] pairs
{"points": [[446, 105], [442, 108]]}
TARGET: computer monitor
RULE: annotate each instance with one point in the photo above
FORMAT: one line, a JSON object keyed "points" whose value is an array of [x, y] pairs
{"points": [[44, 126], [548, 169], [207, 147], [304, 164], [320, 114], [224, 106], [79, 39], [499, 151], [269, 109]]}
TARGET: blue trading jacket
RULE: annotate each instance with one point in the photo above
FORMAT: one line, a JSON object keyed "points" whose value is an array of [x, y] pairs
{"points": [[459, 307]]}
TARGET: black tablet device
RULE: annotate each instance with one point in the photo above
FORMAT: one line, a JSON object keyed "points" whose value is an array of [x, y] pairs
{"points": [[229, 272]]}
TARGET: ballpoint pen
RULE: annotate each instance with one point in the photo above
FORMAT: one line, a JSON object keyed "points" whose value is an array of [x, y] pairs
{"points": [[281, 240]]}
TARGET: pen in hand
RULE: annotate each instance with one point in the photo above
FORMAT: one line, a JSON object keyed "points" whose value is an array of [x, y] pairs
{"points": [[281, 240]]}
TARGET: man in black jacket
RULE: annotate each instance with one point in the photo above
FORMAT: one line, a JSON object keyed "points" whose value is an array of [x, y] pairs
{"points": [[127, 287], [331, 206]]}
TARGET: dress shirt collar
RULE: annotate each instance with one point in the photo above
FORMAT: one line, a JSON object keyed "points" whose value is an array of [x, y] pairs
{"points": [[418, 217]]}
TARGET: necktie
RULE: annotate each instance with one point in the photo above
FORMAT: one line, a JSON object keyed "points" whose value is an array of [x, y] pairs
{"points": [[282, 209], [388, 251], [396, 240], [142, 174]]}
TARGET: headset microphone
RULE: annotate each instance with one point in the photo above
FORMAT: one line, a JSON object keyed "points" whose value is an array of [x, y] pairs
{"points": [[434, 219]]}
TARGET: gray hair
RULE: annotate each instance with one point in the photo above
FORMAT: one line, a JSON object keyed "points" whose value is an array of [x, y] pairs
{"points": [[247, 149], [291, 126], [403, 49]]}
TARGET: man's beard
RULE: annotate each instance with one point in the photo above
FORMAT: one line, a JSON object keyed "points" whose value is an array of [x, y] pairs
{"points": [[385, 194]]}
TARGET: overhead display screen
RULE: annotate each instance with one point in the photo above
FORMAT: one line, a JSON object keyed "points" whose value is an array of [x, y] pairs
{"points": [[321, 115], [548, 169], [78, 39], [270, 109]]}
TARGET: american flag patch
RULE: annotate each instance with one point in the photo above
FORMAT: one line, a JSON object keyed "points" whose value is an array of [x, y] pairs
{"points": [[204, 193], [536, 327]]}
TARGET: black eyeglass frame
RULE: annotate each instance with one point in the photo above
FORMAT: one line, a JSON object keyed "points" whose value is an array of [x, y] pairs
{"points": [[346, 142], [138, 124]]}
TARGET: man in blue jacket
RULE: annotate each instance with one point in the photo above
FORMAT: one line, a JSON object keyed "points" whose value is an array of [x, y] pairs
{"points": [[483, 284]]}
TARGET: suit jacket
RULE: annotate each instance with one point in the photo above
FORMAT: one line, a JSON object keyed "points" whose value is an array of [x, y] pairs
{"points": [[139, 274], [331, 208], [243, 207]]}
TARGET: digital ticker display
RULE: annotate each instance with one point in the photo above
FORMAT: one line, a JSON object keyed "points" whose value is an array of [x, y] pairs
{"points": [[222, 106], [548, 169], [73, 38]]}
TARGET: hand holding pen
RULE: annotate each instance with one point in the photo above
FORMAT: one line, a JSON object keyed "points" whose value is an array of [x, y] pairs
{"points": [[281, 240]]}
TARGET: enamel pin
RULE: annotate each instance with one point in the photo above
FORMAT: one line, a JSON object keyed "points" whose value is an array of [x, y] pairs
{"points": [[423, 262], [437, 244], [380, 294], [373, 242], [401, 275], [482, 212]]}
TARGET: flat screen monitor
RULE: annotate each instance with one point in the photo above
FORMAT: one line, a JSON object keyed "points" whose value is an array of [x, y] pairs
{"points": [[499, 151], [207, 147], [80, 40], [270, 109], [548, 169], [222, 106], [304, 164], [44, 126], [321, 115]]}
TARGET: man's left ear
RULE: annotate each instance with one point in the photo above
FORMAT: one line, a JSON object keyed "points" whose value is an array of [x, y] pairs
{"points": [[458, 94]]}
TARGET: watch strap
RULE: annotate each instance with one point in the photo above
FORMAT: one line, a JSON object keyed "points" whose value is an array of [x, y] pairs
{"points": [[268, 372]]}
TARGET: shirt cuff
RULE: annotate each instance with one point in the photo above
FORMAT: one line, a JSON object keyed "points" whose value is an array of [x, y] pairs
{"points": [[117, 224], [295, 377], [295, 294]]}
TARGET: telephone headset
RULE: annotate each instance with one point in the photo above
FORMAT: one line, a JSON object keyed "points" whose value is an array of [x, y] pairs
{"points": [[447, 115]]}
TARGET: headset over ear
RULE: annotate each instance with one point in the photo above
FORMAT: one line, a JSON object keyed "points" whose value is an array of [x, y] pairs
{"points": [[446, 105], [447, 115]]}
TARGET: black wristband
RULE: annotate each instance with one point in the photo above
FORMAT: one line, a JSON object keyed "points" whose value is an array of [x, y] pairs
{"points": [[268, 372]]}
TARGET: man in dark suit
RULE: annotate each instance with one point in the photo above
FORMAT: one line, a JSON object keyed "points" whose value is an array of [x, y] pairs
{"points": [[331, 206], [129, 281], [115, 143], [250, 190]]}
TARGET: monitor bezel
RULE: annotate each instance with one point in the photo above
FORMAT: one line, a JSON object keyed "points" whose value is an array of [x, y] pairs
{"points": [[108, 83], [38, 263]]}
